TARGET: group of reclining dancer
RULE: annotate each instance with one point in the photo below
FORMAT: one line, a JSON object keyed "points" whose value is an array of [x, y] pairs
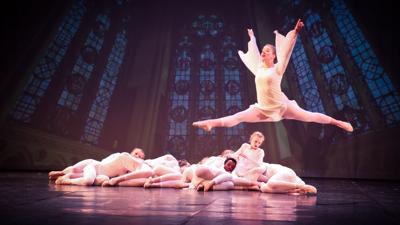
{"points": [[240, 170]]}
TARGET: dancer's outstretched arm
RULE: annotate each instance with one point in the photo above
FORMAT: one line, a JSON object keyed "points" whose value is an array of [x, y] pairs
{"points": [[252, 57], [285, 45]]}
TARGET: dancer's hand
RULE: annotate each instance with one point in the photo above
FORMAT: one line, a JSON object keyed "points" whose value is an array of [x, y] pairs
{"points": [[250, 32], [299, 26]]}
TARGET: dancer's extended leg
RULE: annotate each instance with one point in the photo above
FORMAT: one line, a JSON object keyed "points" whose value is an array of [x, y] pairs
{"points": [[294, 112], [250, 115]]}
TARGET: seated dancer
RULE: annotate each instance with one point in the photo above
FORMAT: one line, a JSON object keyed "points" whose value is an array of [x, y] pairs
{"points": [[89, 172], [282, 179], [78, 167], [250, 158], [272, 104]]}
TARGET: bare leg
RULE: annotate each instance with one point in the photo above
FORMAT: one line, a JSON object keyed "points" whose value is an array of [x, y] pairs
{"points": [[166, 177], [294, 112], [129, 176], [250, 115], [136, 182], [228, 185], [278, 186]]}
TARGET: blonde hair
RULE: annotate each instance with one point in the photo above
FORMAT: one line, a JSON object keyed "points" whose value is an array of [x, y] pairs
{"points": [[257, 133]]}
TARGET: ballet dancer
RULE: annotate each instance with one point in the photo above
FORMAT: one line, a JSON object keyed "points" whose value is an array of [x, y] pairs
{"points": [[272, 104]]}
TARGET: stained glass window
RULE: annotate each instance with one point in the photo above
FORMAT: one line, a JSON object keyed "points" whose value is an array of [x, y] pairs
{"points": [[82, 70], [378, 81], [206, 82], [45, 69], [99, 108]]}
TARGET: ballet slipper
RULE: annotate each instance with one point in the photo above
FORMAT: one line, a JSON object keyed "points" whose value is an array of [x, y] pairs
{"points": [[53, 175], [345, 126]]}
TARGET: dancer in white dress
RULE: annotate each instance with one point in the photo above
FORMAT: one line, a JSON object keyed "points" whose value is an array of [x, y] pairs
{"points": [[250, 158], [272, 104], [89, 172], [77, 169], [163, 168], [282, 179]]}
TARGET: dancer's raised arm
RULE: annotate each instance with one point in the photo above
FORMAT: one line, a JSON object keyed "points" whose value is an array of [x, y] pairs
{"points": [[252, 57], [285, 45]]}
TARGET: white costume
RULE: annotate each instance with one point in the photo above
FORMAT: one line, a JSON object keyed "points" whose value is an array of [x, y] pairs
{"points": [[249, 162], [271, 101]]}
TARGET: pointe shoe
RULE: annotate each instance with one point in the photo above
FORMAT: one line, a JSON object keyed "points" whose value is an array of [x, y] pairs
{"points": [[347, 126], [53, 175], [203, 125]]}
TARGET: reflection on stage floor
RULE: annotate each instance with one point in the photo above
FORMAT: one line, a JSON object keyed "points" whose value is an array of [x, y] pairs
{"points": [[29, 198]]}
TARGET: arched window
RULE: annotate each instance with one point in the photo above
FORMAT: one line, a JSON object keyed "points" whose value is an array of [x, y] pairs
{"points": [[43, 72], [378, 81], [206, 81], [339, 80], [99, 108], [73, 90]]}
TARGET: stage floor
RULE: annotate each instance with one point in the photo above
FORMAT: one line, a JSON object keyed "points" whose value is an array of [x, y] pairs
{"points": [[29, 198]]}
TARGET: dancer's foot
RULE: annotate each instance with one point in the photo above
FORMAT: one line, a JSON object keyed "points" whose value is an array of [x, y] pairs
{"points": [[148, 183], [62, 180], [208, 185], [254, 188], [100, 179], [308, 189], [182, 185], [203, 125], [345, 126], [53, 175], [200, 187]]}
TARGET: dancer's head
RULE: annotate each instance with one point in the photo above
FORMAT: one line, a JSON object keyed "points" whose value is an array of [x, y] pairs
{"points": [[183, 164], [268, 54], [256, 139], [230, 164], [138, 153]]}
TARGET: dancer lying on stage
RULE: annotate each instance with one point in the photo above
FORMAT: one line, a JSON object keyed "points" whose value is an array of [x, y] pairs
{"points": [[89, 172], [163, 168], [78, 167], [214, 178], [282, 179], [272, 104]]}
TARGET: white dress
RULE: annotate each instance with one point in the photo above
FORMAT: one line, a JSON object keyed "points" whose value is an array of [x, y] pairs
{"points": [[271, 101]]}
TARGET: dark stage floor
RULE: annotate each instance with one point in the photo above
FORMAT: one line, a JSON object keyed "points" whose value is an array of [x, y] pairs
{"points": [[28, 198]]}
